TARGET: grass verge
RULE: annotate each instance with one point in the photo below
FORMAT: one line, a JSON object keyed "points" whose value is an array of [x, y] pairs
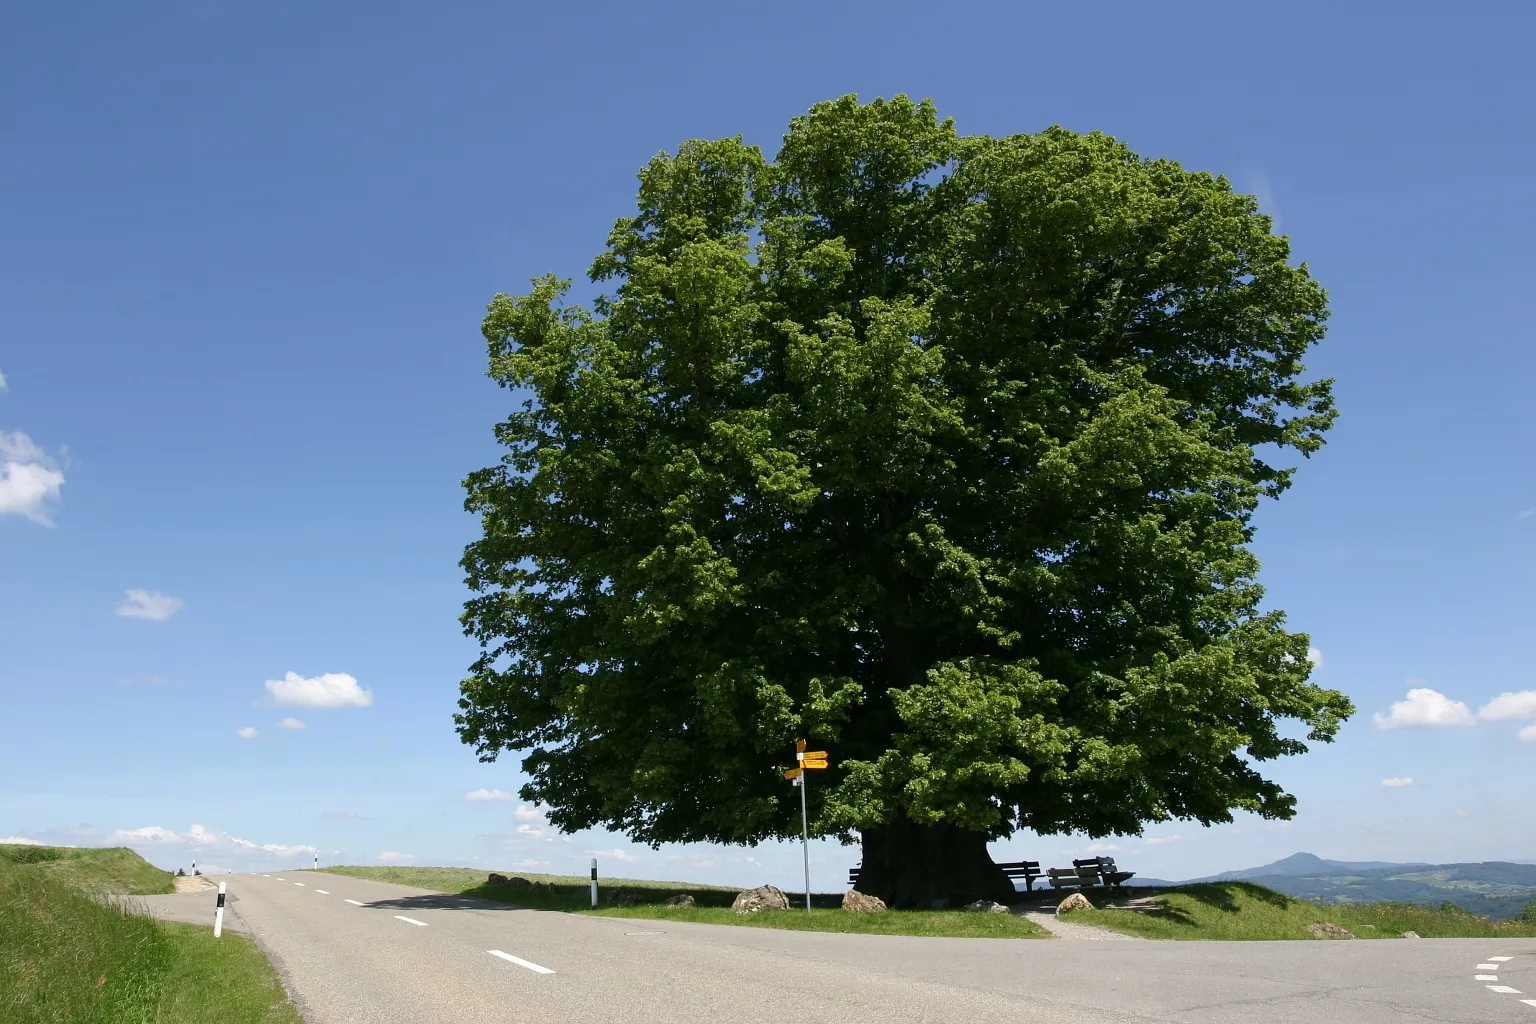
{"points": [[571, 893], [1244, 911], [115, 870], [68, 955]]}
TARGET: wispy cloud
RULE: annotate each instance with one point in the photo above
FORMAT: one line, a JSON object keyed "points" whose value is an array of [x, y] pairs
{"points": [[482, 796], [18, 840], [291, 723], [1527, 735], [3, 385], [1509, 705], [215, 851], [1397, 782], [1161, 840], [148, 604], [30, 480], [395, 857], [623, 856], [1105, 848], [247, 733], [144, 680], [1258, 184], [1424, 708], [1528, 513], [1315, 656], [328, 690]]}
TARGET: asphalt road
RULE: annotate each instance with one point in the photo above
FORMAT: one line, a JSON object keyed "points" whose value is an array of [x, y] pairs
{"points": [[360, 952]]}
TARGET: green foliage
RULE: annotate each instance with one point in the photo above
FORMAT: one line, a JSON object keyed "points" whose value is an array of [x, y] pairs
{"points": [[1244, 911], [939, 450], [68, 955], [1528, 915]]}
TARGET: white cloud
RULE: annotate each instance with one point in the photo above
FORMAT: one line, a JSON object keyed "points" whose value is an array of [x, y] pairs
{"points": [[1105, 848], [1397, 782], [291, 723], [18, 840], [1509, 705], [1528, 513], [247, 733], [3, 385], [1315, 656], [148, 604], [329, 690], [395, 857], [215, 851], [30, 481], [1423, 708], [527, 813], [483, 796], [621, 855], [1160, 840], [1527, 735]]}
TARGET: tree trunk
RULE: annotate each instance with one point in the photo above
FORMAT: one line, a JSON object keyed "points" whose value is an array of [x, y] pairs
{"points": [[911, 865]]}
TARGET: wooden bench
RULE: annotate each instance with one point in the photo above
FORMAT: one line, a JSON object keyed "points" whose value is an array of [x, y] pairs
{"points": [[1028, 870], [1090, 872]]}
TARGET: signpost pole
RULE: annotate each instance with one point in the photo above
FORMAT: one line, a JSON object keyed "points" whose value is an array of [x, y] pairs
{"points": [[805, 841], [218, 913]]}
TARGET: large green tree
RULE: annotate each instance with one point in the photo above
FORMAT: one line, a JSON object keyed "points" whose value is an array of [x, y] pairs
{"points": [[941, 451]]}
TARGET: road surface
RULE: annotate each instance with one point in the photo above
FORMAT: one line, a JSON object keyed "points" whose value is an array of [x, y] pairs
{"points": [[362, 952]]}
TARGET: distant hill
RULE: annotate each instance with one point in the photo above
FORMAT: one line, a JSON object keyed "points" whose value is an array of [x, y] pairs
{"points": [[1499, 889], [103, 869]]}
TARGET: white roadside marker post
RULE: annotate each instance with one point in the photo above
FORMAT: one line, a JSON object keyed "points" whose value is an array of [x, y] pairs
{"points": [[317, 862], [218, 913], [594, 881], [194, 865]]}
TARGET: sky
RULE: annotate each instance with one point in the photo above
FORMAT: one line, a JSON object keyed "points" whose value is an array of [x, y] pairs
{"points": [[245, 249]]}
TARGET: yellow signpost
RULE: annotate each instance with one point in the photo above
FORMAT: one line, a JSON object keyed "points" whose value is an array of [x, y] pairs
{"points": [[808, 759]]}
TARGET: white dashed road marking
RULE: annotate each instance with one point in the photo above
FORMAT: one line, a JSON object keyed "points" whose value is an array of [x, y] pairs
{"points": [[1485, 977], [423, 924], [1501, 959], [1503, 988], [1529, 1002], [353, 902], [1487, 967], [520, 962], [323, 892], [298, 883], [282, 879]]}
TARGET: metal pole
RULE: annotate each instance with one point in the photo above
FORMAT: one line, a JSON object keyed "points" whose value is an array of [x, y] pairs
{"points": [[805, 841], [594, 881], [317, 862], [218, 913]]}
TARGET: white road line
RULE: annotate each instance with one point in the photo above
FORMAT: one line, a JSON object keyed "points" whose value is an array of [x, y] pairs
{"points": [[298, 883], [353, 902], [423, 924], [1503, 988], [323, 892], [520, 962], [1485, 977], [282, 879], [1529, 1002], [1487, 967], [1501, 960]]}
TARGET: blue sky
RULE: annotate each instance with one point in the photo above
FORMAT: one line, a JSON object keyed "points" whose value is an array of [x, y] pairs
{"points": [[244, 250]]}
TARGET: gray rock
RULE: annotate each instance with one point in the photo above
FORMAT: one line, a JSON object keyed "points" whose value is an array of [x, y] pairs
{"points": [[519, 882], [496, 879], [764, 897], [856, 902], [625, 897], [1411, 935], [1077, 901], [1328, 930], [682, 899], [985, 907]]}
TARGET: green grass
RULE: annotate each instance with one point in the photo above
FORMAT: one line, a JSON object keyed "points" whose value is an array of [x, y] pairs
{"points": [[69, 955], [1244, 911], [113, 870], [572, 893]]}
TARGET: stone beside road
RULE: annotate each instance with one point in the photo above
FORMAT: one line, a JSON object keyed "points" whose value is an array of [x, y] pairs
{"points": [[1077, 901], [764, 897], [856, 902]]}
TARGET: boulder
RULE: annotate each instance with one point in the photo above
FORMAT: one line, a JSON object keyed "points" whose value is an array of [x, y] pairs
{"points": [[1411, 935], [1077, 901], [987, 907], [764, 897], [624, 897], [682, 899], [519, 882], [856, 902], [1328, 930], [496, 879]]}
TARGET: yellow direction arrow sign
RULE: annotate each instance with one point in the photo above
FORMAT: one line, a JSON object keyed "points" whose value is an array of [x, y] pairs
{"points": [[819, 762], [812, 755], [793, 773], [800, 746]]}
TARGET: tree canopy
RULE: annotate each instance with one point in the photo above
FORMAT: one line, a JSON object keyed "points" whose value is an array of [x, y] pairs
{"points": [[938, 450]]}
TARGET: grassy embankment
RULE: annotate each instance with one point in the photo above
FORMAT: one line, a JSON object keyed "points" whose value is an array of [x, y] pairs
{"points": [[571, 894], [1244, 911], [68, 952]]}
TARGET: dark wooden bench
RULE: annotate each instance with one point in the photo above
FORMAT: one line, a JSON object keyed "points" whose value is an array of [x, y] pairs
{"points": [[1087, 873], [1028, 870]]}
